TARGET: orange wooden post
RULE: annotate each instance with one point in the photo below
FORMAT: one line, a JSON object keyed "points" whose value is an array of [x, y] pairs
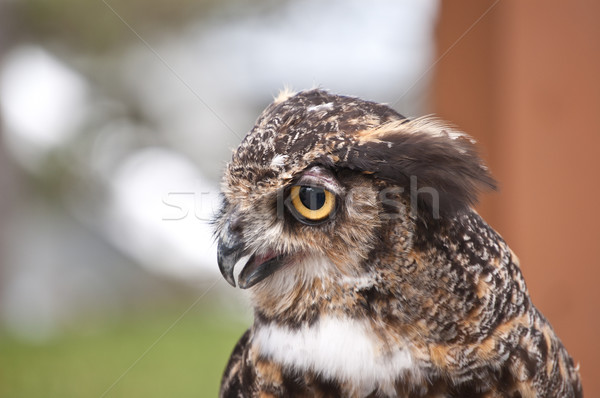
{"points": [[525, 82]]}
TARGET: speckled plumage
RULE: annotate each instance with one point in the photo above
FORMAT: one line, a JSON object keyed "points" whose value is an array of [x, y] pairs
{"points": [[405, 291]]}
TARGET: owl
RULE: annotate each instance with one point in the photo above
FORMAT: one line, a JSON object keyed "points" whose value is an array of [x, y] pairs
{"points": [[369, 272]]}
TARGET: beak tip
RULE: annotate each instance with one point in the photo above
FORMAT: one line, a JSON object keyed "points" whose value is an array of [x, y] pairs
{"points": [[243, 285], [227, 256], [227, 272], [231, 281]]}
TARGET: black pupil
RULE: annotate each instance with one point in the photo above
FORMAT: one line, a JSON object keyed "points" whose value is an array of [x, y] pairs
{"points": [[311, 197]]}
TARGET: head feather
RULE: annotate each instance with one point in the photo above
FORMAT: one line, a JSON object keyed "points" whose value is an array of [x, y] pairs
{"points": [[426, 153]]}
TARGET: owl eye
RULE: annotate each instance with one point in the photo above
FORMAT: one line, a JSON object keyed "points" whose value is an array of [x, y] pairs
{"points": [[312, 203]]}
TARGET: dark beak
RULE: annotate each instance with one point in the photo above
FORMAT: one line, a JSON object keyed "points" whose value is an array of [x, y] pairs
{"points": [[258, 268], [231, 249]]}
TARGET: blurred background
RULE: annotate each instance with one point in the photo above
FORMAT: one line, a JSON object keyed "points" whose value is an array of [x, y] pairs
{"points": [[117, 119]]}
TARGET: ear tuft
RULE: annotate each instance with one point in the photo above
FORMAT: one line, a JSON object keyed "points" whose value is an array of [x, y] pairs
{"points": [[431, 159]]}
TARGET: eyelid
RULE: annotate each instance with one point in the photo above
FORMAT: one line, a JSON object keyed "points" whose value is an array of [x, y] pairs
{"points": [[320, 181]]}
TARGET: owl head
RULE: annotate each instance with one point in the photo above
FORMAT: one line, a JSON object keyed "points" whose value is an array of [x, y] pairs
{"points": [[325, 186]]}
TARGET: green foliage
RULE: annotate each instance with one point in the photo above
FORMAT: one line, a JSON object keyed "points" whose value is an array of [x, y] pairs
{"points": [[187, 362]]}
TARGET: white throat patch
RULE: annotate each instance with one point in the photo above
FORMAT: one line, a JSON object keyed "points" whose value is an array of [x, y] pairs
{"points": [[340, 349]]}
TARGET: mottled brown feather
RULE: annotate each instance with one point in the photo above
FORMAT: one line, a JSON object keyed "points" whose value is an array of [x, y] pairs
{"points": [[442, 284]]}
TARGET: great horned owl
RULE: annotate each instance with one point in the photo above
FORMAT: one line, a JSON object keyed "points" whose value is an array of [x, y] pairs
{"points": [[369, 272]]}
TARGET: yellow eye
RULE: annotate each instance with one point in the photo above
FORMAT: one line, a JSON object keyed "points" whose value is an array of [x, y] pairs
{"points": [[312, 203]]}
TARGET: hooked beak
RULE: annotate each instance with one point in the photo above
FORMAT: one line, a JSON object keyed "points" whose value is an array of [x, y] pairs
{"points": [[231, 249]]}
